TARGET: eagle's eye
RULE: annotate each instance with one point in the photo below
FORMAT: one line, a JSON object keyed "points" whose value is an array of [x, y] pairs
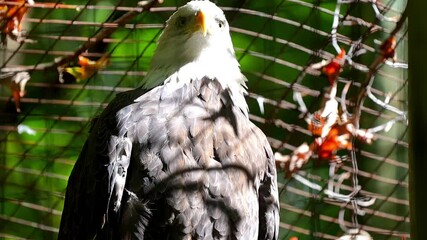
{"points": [[181, 22], [221, 23]]}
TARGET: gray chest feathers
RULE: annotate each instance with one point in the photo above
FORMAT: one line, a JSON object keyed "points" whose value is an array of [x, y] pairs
{"points": [[196, 163]]}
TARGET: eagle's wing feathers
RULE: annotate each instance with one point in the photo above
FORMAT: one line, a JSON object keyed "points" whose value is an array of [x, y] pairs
{"points": [[268, 197], [96, 184]]}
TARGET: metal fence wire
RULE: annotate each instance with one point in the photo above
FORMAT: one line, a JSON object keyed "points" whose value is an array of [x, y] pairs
{"points": [[327, 84]]}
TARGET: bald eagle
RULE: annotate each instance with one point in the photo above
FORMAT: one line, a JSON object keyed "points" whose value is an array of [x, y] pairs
{"points": [[177, 158]]}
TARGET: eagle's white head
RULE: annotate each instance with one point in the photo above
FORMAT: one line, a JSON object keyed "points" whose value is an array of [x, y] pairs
{"points": [[195, 43]]}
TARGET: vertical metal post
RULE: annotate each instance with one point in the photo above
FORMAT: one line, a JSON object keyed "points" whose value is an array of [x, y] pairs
{"points": [[417, 34]]}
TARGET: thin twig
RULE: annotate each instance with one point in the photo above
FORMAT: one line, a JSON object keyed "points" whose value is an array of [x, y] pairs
{"points": [[371, 75]]}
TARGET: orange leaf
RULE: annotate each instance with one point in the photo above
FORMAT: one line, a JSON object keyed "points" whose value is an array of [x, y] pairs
{"points": [[387, 48], [333, 69]]}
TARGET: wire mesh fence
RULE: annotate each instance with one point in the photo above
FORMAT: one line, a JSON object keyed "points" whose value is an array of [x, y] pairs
{"points": [[327, 84]]}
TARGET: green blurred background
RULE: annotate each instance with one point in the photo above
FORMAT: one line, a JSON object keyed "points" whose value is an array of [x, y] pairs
{"points": [[275, 42]]}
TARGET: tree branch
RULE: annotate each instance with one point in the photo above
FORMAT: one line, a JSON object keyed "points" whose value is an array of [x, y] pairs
{"points": [[104, 33]]}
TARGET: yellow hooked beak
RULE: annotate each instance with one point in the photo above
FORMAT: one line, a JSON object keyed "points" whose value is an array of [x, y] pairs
{"points": [[201, 21]]}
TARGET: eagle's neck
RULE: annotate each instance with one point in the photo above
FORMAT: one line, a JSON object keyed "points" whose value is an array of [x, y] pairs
{"points": [[177, 71]]}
